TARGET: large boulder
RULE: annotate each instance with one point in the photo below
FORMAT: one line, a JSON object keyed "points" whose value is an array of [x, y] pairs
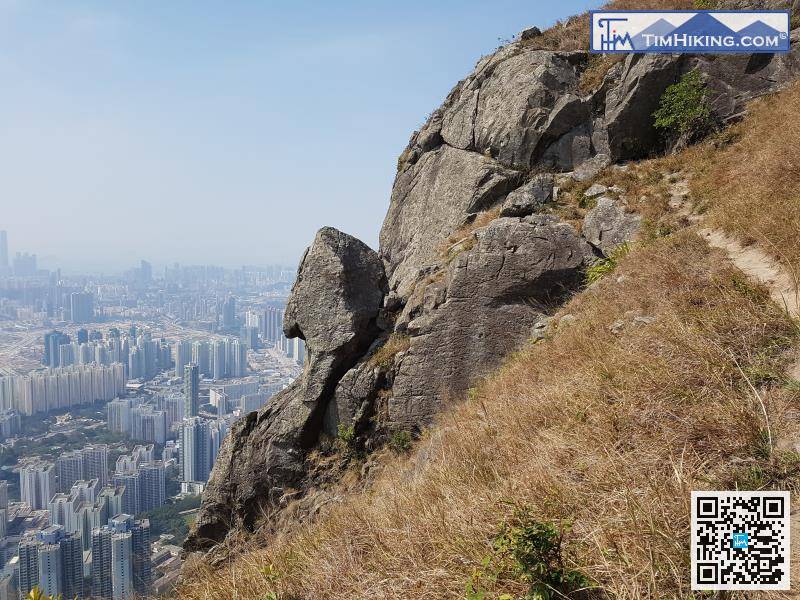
{"points": [[514, 104], [483, 306], [529, 198], [629, 105], [334, 306], [608, 225]]}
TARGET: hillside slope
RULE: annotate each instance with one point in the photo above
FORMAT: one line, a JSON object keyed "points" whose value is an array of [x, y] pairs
{"points": [[590, 412], [642, 391]]}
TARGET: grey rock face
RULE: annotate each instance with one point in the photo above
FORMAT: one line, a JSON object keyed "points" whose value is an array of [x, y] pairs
{"points": [[334, 306], [485, 305], [630, 104], [521, 110], [607, 225], [515, 104], [529, 198], [429, 201]]}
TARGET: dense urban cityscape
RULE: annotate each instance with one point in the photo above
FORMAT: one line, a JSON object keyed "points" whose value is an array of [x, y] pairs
{"points": [[116, 393]]}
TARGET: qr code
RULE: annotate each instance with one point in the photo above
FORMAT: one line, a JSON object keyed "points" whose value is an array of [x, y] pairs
{"points": [[740, 540]]}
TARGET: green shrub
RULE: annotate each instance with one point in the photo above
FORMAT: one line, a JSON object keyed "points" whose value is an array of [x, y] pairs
{"points": [[705, 4], [535, 551], [346, 440], [531, 552], [684, 110], [400, 442]]}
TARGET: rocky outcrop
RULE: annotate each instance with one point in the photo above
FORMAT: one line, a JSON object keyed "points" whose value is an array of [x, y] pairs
{"points": [[394, 337], [334, 306], [530, 197], [432, 198], [482, 306], [607, 225]]}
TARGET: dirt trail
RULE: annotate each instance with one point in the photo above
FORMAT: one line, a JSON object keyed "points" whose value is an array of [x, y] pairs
{"points": [[759, 266], [753, 262], [762, 268]]}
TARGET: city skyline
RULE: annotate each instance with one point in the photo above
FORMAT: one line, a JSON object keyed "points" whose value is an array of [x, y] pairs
{"points": [[12, 258], [178, 133]]}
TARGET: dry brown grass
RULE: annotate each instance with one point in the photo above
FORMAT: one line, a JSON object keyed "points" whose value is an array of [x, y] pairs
{"points": [[599, 66], [396, 343], [573, 33], [607, 431], [463, 238], [643, 187], [751, 187]]}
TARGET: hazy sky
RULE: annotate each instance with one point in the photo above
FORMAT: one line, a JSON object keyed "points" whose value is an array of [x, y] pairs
{"points": [[221, 132]]}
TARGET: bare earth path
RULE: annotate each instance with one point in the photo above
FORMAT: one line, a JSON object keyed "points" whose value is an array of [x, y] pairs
{"points": [[762, 268]]}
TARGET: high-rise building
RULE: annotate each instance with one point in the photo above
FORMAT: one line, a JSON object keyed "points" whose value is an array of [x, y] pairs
{"points": [[3, 508], [89, 463], [102, 584], [152, 486], [37, 482], [10, 423], [219, 400], [81, 306], [148, 424], [71, 547], [62, 387], [237, 358], [195, 450], [219, 360], [28, 553], [191, 390], [143, 478], [52, 348], [183, 356], [121, 566], [229, 313], [249, 337], [95, 463], [119, 415], [299, 351], [142, 566], [69, 469], [50, 576], [52, 560], [173, 407], [132, 493], [201, 356]]}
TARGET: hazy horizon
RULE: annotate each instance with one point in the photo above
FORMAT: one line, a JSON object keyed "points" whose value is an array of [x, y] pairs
{"points": [[186, 132]]}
